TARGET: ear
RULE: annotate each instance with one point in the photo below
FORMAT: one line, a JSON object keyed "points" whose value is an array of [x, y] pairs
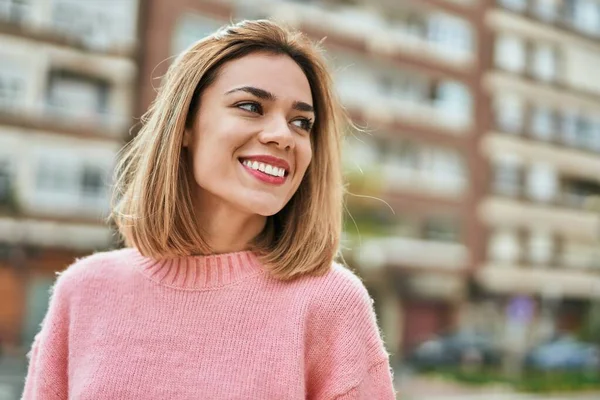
{"points": [[187, 137]]}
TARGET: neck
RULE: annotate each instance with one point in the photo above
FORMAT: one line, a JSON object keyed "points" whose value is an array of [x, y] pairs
{"points": [[229, 230]]}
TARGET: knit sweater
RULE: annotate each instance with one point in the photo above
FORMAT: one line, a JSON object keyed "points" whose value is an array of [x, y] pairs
{"points": [[124, 326]]}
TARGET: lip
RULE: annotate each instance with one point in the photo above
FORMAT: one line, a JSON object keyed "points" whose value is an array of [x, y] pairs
{"points": [[266, 178], [267, 159]]}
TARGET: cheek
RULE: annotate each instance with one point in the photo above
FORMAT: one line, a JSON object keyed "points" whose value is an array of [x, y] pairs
{"points": [[304, 155]]}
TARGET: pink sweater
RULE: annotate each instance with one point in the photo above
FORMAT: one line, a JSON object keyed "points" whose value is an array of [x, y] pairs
{"points": [[122, 326]]}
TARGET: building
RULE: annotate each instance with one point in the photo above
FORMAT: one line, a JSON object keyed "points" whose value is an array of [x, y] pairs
{"points": [[68, 73], [541, 145]]}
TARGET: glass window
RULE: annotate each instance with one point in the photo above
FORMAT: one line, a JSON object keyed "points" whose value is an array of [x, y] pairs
{"points": [[542, 182], [191, 28], [510, 53], [580, 193], [595, 134], [97, 24], [546, 10], [543, 123], [72, 94], [441, 229], [544, 64], [509, 112], [5, 182], [516, 5], [507, 177], [13, 80], [15, 10], [454, 100], [92, 181], [504, 246], [452, 35], [569, 124], [584, 15], [540, 248]]}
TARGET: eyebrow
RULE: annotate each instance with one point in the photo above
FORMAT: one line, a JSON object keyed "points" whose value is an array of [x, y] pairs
{"points": [[265, 95]]}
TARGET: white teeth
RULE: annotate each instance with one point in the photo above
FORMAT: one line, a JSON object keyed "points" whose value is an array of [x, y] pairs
{"points": [[266, 168]]}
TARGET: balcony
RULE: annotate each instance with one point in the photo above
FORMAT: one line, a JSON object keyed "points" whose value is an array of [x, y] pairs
{"points": [[412, 254], [566, 161], [46, 233], [538, 92], [45, 118], [367, 31], [508, 21], [516, 279], [573, 224]]}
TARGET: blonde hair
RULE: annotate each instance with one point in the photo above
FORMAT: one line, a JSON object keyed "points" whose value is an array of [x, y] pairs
{"points": [[152, 205]]}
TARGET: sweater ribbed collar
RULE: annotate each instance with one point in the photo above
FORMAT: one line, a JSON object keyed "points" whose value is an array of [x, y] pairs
{"points": [[200, 271]]}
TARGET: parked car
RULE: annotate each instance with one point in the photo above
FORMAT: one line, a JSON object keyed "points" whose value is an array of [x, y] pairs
{"points": [[455, 349], [564, 353]]}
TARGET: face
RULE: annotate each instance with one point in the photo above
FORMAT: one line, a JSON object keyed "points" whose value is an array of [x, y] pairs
{"points": [[250, 144]]}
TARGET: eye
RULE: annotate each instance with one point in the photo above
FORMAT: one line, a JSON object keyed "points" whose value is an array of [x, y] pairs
{"points": [[250, 106], [303, 123]]}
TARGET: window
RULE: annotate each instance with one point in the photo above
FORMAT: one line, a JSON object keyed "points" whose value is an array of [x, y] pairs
{"points": [[13, 80], [583, 15], [542, 182], [441, 229], [509, 113], [515, 5], [542, 123], [584, 133], [580, 193], [15, 10], [452, 35], [94, 23], [454, 101], [504, 246], [510, 53], [92, 182], [55, 177], [569, 125], [507, 177], [546, 10], [76, 95], [595, 134], [191, 28], [541, 248], [544, 62], [5, 183]]}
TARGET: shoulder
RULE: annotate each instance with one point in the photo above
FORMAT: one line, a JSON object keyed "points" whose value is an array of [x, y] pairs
{"points": [[95, 268], [339, 289]]}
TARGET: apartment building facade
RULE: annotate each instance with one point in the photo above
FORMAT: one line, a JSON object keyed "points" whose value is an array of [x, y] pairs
{"points": [[68, 71], [541, 144]]}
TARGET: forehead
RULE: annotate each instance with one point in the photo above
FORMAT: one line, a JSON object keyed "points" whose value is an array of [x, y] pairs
{"points": [[278, 74]]}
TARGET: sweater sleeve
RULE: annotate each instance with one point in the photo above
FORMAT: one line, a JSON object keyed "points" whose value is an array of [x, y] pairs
{"points": [[47, 371], [345, 355]]}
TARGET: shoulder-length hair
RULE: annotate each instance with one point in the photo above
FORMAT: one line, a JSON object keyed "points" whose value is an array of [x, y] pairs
{"points": [[152, 205]]}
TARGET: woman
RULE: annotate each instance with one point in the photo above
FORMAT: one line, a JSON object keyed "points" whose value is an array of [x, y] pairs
{"points": [[230, 199]]}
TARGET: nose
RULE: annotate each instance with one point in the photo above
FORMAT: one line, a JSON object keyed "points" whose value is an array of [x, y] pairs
{"points": [[277, 131]]}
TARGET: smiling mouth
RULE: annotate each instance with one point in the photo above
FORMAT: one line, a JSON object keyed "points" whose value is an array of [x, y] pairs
{"points": [[265, 168]]}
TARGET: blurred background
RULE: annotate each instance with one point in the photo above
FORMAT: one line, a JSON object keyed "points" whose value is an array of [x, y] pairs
{"points": [[474, 205]]}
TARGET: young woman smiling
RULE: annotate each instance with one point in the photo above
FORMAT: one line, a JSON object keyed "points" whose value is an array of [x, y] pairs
{"points": [[230, 200]]}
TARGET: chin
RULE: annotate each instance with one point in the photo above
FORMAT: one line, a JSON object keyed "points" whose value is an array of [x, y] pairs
{"points": [[264, 208]]}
